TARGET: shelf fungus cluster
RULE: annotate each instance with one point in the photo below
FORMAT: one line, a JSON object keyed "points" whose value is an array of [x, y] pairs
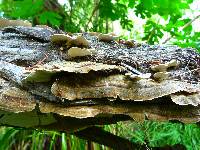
{"points": [[77, 46], [98, 78], [107, 37], [160, 70], [5, 23]]}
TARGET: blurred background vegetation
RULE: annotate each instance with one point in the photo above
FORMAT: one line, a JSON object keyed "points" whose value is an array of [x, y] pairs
{"points": [[155, 135], [151, 21]]}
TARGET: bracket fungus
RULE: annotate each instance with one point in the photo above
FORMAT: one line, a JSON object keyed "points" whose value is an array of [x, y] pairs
{"points": [[60, 38], [79, 41], [117, 86], [107, 37], [44, 73], [94, 33], [165, 66], [160, 76], [75, 52], [5, 23]]}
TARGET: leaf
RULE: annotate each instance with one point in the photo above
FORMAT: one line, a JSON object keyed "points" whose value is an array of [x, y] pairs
{"points": [[131, 3], [64, 143], [126, 24], [147, 4], [26, 8], [50, 17]]}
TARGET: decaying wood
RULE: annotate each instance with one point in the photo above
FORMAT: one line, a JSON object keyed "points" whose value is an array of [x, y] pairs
{"points": [[17, 101], [43, 86], [117, 86]]}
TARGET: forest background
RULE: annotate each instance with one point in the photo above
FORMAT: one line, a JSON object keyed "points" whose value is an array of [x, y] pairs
{"points": [[150, 21]]}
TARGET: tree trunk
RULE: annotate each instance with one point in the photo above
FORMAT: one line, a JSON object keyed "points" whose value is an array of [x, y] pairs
{"points": [[96, 15]]}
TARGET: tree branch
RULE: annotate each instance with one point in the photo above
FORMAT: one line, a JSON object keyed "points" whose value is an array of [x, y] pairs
{"points": [[100, 136], [93, 12], [185, 26]]}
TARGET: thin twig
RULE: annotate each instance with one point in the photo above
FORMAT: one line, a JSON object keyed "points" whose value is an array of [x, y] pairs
{"points": [[185, 26], [93, 12], [152, 32], [38, 63]]}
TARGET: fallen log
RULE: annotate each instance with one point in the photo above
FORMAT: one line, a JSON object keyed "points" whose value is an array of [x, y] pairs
{"points": [[46, 84]]}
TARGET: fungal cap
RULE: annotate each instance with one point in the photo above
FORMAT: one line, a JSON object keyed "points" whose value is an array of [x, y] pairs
{"points": [[164, 67], [42, 26], [173, 63], [93, 33], [56, 38], [159, 68], [5, 23], [107, 37], [80, 41], [160, 76], [76, 51]]}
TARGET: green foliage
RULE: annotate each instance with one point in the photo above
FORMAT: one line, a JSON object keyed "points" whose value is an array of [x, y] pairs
{"points": [[19, 139], [50, 17], [25, 9], [185, 40], [153, 32], [86, 15], [159, 134], [164, 8], [150, 133], [7, 137], [64, 144]]}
